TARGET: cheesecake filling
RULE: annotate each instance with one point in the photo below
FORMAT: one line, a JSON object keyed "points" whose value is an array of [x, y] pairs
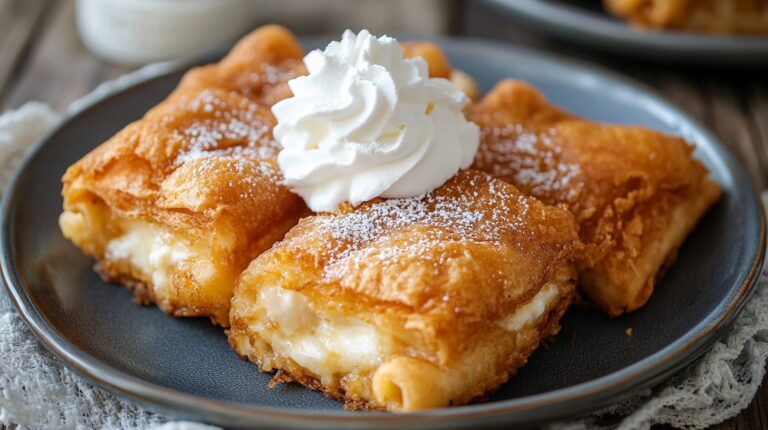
{"points": [[152, 254], [153, 251], [324, 344], [332, 345], [533, 310]]}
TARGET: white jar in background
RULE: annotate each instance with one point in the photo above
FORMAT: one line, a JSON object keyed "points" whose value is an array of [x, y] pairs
{"points": [[133, 32]]}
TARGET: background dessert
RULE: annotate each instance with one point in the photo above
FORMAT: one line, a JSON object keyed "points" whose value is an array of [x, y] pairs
{"points": [[704, 16]]}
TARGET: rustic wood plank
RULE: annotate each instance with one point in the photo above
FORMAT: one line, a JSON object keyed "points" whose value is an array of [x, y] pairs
{"points": [[732, 122], [755, 416], [60, 69], [757, 100], [19, 23], [685, 93], [719, 103]]}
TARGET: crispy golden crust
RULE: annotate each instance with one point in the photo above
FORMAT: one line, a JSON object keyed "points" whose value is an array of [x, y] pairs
{"points": [[709, 16], [439, 273], [142, 293], [202, 165], [635, 193]]}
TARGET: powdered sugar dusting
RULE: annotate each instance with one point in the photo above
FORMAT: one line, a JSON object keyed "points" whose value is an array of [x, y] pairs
{"points": [[232, 132], [261, 82], [226, 130], [532, 160], [246, 174], [460, 213], [272, 74]]}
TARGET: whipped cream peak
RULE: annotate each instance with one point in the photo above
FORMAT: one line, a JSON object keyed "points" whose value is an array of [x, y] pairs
{"points": [[366, 122]]}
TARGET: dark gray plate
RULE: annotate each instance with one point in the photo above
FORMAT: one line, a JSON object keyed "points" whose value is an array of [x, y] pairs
{"points": [[584, 22], [184, 366]]}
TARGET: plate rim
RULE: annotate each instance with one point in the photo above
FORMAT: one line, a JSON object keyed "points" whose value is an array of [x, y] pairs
{"points": [[608, 34], [550, 405]]}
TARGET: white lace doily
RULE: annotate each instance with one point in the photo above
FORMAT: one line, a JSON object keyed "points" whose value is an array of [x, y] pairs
{"points": [[37, 391]]}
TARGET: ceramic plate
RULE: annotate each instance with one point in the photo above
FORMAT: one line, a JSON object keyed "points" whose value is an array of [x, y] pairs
{"points": [[584, 22], [184, 367]]}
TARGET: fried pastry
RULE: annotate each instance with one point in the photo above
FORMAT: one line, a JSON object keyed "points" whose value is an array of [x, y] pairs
{"points": [[178, 203], [407, 304], [707, 16], [635, 193]]}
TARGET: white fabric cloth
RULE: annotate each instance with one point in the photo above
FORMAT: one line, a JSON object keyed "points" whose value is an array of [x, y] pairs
{"points": [[37, 391]]}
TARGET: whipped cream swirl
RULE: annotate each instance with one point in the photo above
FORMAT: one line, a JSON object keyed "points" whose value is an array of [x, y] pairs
{"points": [[366, 122]]}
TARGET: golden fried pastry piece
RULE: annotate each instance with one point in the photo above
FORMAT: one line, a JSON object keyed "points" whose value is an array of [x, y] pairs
{"points": [[178, 203], [706, 16], [407, 304], [635, 193]]}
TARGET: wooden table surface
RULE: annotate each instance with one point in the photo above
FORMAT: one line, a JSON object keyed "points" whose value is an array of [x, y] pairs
{"points": [[41, 58]]}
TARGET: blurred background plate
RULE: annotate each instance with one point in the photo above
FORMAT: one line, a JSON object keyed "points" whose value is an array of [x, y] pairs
{"points": [[585, 23], [185, 368]]}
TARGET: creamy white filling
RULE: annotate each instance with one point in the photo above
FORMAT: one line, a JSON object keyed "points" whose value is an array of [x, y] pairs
{"points": [[151, 250], [329, 344], [323, 344], [533, 310]]}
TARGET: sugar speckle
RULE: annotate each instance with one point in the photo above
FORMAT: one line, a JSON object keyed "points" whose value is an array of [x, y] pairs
{"points": [[528, 159], [237, 133], [460, 215], [231, 131]]}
